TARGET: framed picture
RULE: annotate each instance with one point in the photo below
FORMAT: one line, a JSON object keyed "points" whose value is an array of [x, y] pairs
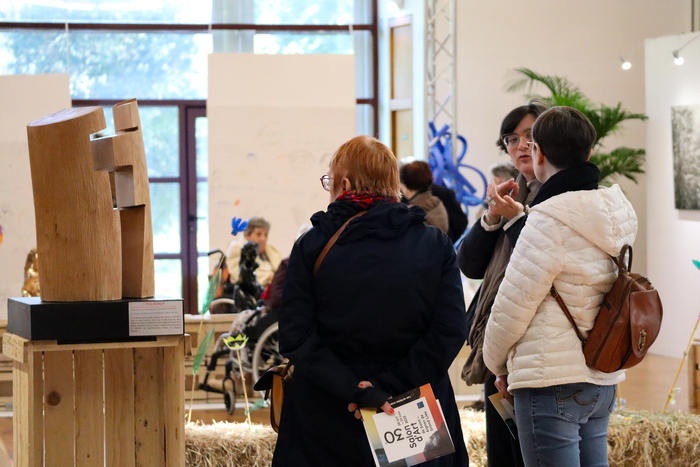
{"points": [[685, 124]]}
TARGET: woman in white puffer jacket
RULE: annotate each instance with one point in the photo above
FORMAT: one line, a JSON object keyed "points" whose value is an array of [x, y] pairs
{"points": [[562, 406]]}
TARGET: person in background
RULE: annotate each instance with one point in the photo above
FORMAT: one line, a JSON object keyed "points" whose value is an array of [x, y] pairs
{"points": [[383, 314], [503, 172], [268, 258], [416, 180], [573, 227], [272, 296], [484, 254], [456, 217]]}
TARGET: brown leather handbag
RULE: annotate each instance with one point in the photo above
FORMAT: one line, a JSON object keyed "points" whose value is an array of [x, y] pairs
{"points": [[273, 383], [275, 380], [627, 324]]}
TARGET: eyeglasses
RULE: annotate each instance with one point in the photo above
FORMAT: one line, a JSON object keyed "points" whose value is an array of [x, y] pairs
{"points": [[512, 140], [326, 182]]}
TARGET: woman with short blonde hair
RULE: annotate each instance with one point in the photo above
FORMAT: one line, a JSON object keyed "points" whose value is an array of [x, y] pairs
{"points": [[369, 165], [382, 315]]}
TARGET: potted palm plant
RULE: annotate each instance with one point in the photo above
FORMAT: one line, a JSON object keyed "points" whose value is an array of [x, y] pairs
{"points": [[622, 161]]}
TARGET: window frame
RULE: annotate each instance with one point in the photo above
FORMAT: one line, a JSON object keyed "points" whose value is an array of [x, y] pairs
{"points": [[188, 110]]}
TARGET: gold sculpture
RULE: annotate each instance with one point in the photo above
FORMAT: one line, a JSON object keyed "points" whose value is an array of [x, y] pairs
{"points": [[31, 275]]}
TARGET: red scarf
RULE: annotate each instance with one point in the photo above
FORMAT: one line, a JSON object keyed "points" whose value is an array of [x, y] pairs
{"points": [[364, 200]]}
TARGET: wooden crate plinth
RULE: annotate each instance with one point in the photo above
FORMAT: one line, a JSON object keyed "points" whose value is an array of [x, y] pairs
{"points": [[117, 404], [693, 358], [221, 324]]}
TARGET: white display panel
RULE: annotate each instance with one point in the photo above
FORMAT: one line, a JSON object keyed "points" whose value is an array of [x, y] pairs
{"points": [[673, 234], [24, 98], [274, 123]]}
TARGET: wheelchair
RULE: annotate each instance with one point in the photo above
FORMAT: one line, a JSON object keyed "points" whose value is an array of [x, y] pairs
{"points": [[256, 357], [230, 297]]}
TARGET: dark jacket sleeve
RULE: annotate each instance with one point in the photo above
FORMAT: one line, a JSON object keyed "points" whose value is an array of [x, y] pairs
{"points": [[431, 356], [277, 285], [476, 251], [300, 342], [513, 232], [458, 220]]}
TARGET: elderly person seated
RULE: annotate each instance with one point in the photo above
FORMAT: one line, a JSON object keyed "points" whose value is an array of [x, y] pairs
{"points": [[416, 180], [268, 259]]}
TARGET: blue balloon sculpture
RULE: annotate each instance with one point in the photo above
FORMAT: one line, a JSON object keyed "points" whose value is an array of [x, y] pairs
{"points": [[446, 173], [238, 225]]}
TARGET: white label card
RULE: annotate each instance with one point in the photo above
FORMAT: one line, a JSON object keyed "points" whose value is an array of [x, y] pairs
{"points": [[155, 318]]}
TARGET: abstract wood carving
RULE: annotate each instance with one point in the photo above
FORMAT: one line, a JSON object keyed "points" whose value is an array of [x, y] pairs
{"points": [[89, 250], [78, 233], [124, 155]]}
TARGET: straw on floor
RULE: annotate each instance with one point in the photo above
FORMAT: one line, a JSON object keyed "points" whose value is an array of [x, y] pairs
{"points": [[639, 439]]}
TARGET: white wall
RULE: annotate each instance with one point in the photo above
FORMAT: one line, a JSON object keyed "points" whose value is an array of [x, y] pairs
{"points": [[673, 235], [579, 40], [582, 41], [24, 98], [274, 123]]}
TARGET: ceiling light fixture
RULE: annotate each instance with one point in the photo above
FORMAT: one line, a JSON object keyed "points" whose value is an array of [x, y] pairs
{"points": [[625, 64], [677, 59]]}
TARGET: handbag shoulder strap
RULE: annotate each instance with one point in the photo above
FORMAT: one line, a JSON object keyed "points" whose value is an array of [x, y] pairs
{"points": [[561, 303], [331, 242], [620, 260]]}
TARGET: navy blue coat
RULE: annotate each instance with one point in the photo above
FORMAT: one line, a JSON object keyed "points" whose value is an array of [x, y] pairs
{"points": [[387, 306]]}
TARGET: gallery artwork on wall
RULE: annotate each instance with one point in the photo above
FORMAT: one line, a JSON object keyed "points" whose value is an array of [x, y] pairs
{"points": [[685, 123]]}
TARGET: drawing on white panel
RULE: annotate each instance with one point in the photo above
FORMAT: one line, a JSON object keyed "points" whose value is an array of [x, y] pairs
{"points": [[685, 123]]}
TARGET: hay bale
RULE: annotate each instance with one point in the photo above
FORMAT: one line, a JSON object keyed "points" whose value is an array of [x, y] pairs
{"points": [[652, 439], [229, 444], [474, 428], [636, 439]]}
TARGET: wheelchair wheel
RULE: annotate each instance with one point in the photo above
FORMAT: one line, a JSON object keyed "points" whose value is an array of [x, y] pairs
{"points": [[222, 305], [266, 353], [229, 388]]}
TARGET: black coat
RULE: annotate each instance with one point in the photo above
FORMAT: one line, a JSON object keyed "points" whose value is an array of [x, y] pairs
{"points": [[386, 306], [457, 217]]}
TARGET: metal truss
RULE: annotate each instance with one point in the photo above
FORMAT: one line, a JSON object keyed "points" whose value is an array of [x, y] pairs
{"points": [[440, 65]]}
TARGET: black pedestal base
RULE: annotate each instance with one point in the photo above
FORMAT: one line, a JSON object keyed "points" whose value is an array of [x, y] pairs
{"points": [[118, 320]]}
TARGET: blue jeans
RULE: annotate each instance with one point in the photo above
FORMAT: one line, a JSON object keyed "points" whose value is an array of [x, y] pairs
{"points": [[565, 425]]}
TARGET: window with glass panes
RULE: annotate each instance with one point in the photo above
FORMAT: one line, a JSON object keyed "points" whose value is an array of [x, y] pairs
{"points": [[156, 51]]}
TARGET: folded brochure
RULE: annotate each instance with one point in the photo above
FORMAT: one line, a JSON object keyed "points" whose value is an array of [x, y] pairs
{"points": [[416, 433], [506, 411]]}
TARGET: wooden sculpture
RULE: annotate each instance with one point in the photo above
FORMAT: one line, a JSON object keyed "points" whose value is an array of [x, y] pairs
{"points": [[123, 154], [77, 229], [89, 250]]}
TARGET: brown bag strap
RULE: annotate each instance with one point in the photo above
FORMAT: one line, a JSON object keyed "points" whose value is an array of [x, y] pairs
{"points": [[622, 268], [331, 242], [620, 260], [561, 303]]}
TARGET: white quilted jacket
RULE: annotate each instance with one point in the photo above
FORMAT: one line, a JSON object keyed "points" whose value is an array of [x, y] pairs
{"points": [[566, 241]]}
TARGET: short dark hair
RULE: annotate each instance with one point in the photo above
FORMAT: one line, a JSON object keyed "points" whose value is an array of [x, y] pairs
{"points": [[565, 136], [535, 107], [416, 175]]}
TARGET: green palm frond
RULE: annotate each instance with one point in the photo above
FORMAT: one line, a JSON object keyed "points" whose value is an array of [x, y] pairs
{"points": [[558, 86], [621, 161], [606, 120]]}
